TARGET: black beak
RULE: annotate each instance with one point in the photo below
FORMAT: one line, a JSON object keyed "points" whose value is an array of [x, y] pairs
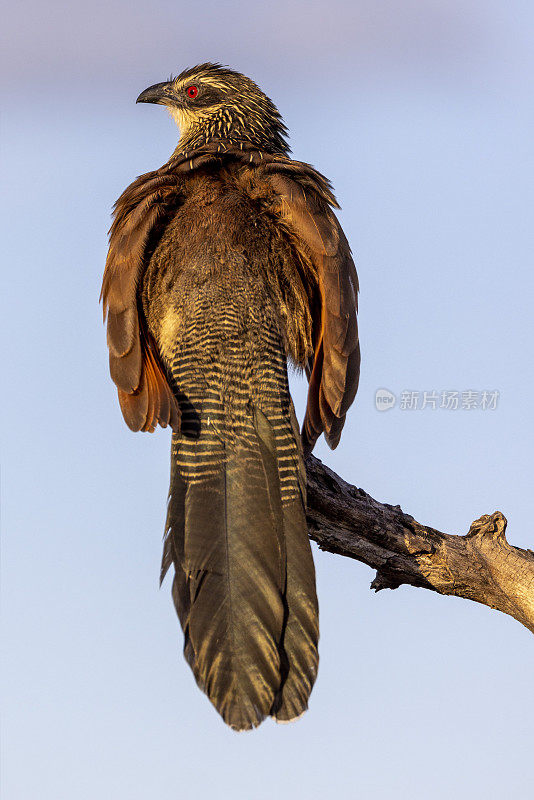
{"points": [[159, 93]]}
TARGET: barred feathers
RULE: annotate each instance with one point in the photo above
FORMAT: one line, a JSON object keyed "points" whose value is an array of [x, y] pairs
{"points": [[250, 627]]}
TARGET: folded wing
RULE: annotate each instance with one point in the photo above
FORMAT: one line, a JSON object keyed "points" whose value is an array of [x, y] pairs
{"points": [[145, 396], [334, 369]]}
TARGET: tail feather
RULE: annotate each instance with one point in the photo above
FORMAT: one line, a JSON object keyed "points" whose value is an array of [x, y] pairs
{"points": [[244, 585], [302, 630], [298, 647]]}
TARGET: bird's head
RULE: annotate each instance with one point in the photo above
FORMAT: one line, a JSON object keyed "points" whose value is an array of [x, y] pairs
{"points": [[210, 102]]}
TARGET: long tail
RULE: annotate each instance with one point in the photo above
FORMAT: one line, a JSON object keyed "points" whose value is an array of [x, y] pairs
{"points": [[244, 584]]}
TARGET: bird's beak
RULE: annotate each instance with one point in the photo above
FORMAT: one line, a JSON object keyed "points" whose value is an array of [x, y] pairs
{"points": [[159, 93]]}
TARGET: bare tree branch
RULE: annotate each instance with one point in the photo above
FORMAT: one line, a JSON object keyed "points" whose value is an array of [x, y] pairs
{"points": [[479, 566]]}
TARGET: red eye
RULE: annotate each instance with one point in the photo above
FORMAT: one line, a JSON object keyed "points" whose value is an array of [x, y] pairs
{"points": [[192, 92]]}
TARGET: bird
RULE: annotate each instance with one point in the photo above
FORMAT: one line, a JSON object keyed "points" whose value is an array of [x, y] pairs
{"points": [[227, 266]]}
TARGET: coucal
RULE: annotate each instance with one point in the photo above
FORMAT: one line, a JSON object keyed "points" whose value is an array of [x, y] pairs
{"points": [[224, 264]]}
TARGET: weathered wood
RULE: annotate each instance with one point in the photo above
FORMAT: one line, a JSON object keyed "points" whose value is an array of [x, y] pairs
{"points": [[479, 566]]}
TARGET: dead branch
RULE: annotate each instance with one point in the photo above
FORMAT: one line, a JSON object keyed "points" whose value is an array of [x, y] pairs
{"points": [[479, 566]]}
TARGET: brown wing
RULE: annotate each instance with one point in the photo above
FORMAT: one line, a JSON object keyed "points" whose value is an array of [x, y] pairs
{"points": [[144, 395], [334, 370]]}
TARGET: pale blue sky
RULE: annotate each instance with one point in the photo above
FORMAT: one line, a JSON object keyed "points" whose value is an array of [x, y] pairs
{"points": [[421, 113]]}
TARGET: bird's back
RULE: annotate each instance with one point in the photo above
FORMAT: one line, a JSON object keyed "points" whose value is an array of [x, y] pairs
{"points": [[214, 296], [210, 299]]}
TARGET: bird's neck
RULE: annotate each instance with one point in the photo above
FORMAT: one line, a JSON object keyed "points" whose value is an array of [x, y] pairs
{"points": [[231, 133]]}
